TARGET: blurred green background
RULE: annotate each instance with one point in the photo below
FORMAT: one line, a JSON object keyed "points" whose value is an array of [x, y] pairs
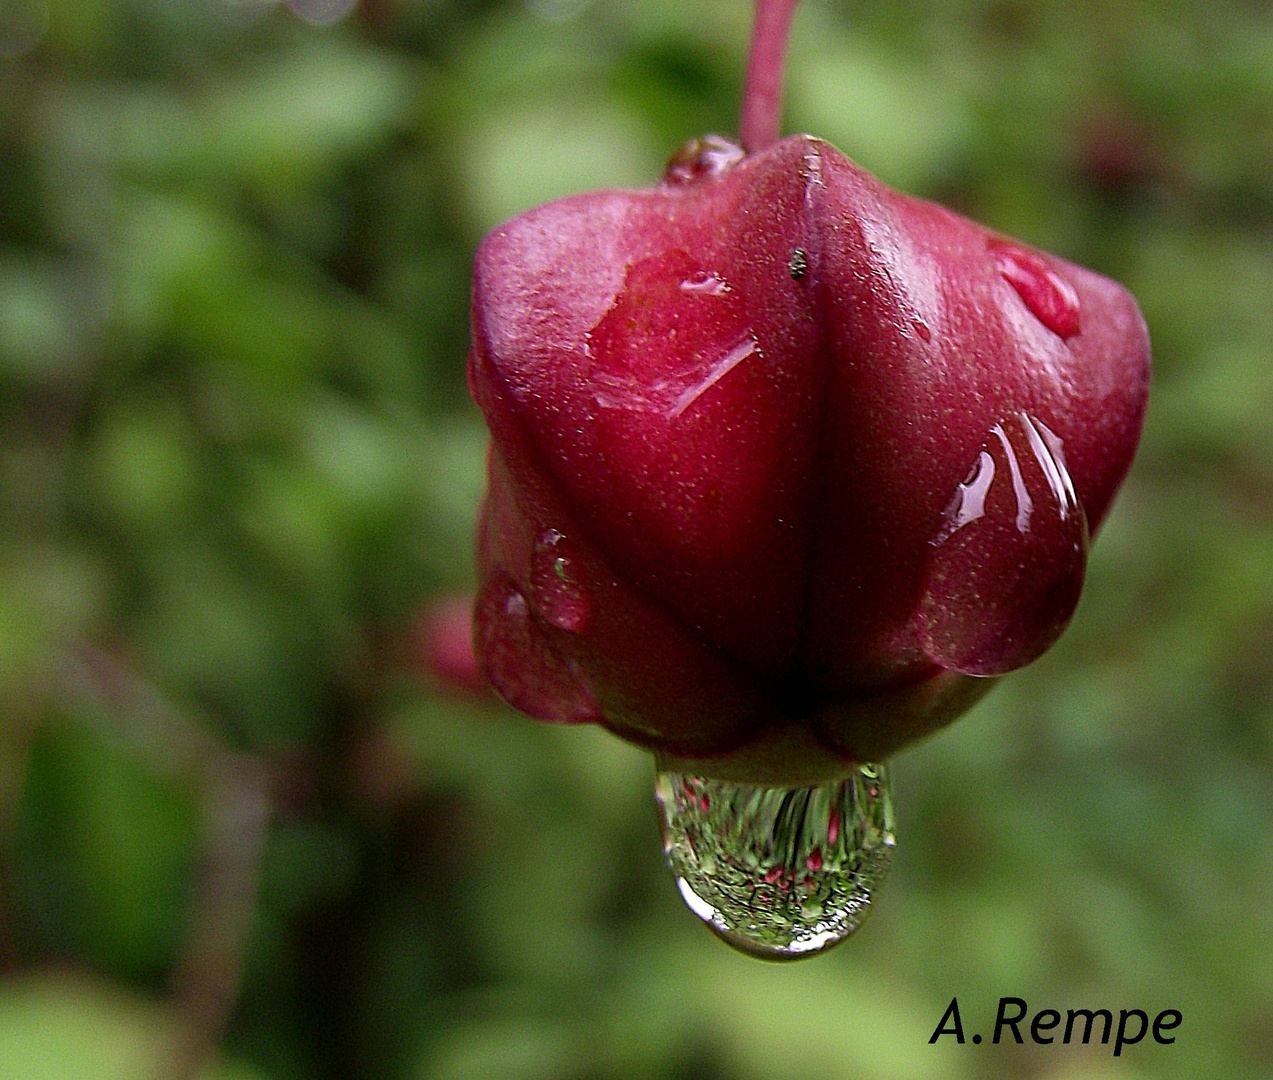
{"points": [[238, 463]]}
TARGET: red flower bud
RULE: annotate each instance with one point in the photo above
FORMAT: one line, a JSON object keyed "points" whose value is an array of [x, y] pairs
{"points": [[785, 463], [786, 466]]}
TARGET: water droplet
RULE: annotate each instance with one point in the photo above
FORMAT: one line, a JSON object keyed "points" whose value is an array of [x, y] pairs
{"points": [[672, 334], [1046, 293], [923, 330], [556, 587], [1009, 557], [780, 873], [1050, 454], [703, 282], [706, 157], [522, 664]]}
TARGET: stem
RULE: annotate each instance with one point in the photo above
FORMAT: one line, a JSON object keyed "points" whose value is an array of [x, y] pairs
{"points": [[761, 120]]}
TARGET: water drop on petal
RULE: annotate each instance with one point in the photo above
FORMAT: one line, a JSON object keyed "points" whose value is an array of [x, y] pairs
{"points": [[1050, 454], [1010, 555], [708, 157], [779, 873], [1051, 299], [701, 281], [969, 501], [722, 367], [521, 662], [556, 589], [672, 332], [1025, 504]]}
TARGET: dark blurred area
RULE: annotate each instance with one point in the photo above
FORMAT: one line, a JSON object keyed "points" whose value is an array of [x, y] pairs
{"points": [[248, 828]]}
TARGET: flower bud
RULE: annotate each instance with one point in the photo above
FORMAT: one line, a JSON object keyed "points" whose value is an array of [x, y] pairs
{"points": [[786, 466]]}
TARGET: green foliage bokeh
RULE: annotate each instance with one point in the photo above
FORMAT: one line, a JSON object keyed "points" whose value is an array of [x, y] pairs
{"points": [[237, 456]]}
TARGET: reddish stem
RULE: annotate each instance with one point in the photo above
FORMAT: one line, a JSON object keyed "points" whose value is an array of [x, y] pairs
{"points": [[761, 120]]}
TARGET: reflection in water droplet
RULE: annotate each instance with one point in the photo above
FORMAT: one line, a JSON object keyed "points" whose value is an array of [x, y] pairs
{"points": [[556, 589], [969, 502], [1049, 296], [1025, 504], [1050, 455], [780, 873]]}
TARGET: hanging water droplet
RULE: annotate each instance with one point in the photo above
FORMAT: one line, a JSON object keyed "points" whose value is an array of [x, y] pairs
{"points": [[779, 873], [556, 589], [1051, 298]]}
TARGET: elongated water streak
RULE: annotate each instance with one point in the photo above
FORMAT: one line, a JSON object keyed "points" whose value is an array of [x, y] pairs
{"points": [[719, 370]]}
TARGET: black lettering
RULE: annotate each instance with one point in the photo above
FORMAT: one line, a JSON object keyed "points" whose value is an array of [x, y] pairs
{"points": [[1121, 1040], [1002, 1021], [1091, 1015], [1160, 1025], [1040, 1025], [952, 1012]]}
